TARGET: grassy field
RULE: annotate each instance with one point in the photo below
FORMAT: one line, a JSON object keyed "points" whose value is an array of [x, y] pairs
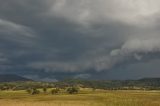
{"points": [[86, 97]]}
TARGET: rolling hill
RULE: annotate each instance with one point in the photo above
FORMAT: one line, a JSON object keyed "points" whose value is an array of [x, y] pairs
{"points": [[12, 78]]}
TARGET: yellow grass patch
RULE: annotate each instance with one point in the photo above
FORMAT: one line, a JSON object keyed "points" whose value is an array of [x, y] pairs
{"points": [[85, 98]]}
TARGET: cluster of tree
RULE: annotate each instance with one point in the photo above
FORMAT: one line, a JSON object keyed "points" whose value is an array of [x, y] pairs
{"points": [[72, 90], [24, 85], [33, 91], [54, 91]]}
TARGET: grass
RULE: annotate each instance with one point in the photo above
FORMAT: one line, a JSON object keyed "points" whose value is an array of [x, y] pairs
{"points": [[86, 97]]}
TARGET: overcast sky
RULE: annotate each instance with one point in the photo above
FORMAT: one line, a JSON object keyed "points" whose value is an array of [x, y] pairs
{"points": [[92, 39]]}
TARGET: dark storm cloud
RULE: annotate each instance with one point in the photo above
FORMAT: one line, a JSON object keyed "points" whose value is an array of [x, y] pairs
{"points": [[77, 38]]}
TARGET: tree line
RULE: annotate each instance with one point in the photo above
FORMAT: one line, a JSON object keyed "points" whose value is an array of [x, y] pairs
{"points": [[53, 91], [142, 84]]}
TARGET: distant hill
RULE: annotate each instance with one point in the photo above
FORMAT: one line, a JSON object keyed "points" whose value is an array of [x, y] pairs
{"points": [[147, 83], [12, 78], [150, 79]]}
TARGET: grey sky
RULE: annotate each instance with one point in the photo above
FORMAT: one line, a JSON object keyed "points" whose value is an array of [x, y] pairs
{"points": [[102, 39]]}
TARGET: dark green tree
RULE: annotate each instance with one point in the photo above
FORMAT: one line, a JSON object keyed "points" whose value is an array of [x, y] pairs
{"points": [[33, 91], [55, 91], [44, 89], [73, 90]]}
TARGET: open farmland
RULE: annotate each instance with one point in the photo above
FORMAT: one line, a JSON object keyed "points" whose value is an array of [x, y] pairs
{"points": [[86, 97]]}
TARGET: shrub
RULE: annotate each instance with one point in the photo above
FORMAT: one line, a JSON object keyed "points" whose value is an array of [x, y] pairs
{"points": [[73, 90], [29, 90], [44, 89], [55, 91], [33, 91]]}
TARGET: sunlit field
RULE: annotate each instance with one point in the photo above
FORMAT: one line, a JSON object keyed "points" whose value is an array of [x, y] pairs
{"points": [[86, 97]]}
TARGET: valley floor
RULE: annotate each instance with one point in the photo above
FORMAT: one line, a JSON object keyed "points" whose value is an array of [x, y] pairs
{"points": [[85, 98]]}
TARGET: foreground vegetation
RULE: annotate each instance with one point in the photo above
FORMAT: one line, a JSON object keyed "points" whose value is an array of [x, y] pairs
{"points": [[85, 97]]}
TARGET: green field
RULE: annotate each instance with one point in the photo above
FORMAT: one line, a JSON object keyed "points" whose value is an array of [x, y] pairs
{"points": [[86, 97]]}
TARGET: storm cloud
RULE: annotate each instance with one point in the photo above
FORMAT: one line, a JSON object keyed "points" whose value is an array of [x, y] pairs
{"points": [[54, 39]]}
